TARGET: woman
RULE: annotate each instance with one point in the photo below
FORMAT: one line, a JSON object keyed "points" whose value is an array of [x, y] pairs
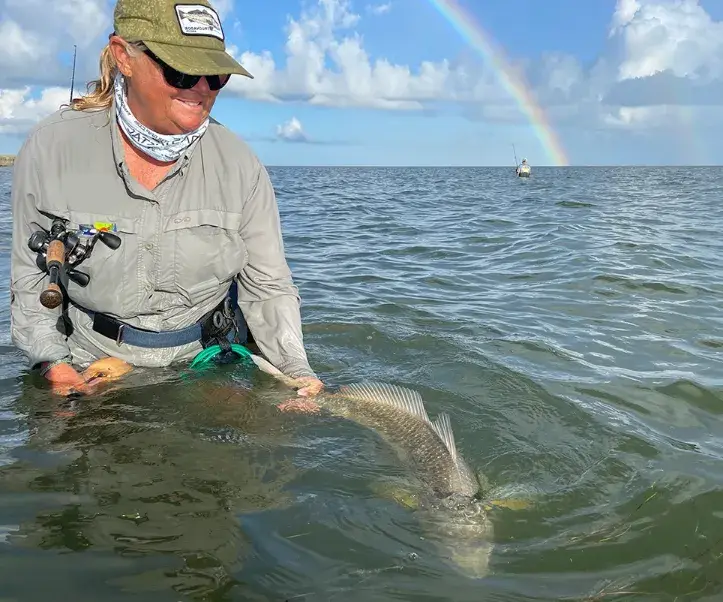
{"points": [[194, 209]]}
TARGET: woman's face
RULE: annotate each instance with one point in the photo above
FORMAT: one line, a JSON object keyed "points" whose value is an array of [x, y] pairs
{"points": [[157, 105]]}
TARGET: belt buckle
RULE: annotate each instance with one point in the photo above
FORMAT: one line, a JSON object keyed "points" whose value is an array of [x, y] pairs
{"points": [[119, 336]]}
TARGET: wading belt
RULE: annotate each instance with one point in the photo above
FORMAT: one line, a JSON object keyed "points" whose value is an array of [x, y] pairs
{"points": [[213, 328]]}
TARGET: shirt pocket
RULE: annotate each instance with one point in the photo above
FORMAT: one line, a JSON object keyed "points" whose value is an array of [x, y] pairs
{"points": [[207, 251], [114, 286]]}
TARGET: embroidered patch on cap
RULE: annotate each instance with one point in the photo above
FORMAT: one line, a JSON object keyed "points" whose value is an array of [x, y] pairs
{"points": [[199, 20]]}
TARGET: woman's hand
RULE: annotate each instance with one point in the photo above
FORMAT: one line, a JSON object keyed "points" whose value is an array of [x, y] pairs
{"points": [[309, 386], [64, 375], [66, 380]]}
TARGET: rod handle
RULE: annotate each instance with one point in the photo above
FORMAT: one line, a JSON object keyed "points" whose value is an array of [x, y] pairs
{"points": [[55, 254], [52, 296]]}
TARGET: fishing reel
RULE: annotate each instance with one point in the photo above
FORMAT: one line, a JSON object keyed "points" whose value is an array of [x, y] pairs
{"points": [[62, 251]]}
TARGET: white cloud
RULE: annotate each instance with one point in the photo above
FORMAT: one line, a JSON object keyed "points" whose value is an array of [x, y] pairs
{"points": [[34, 82], [327, 65], [34, 32], [677, 36], [19, 111], [77, 21], [291, 131], [668, 56], [82, 20], [624, 13], [627, 117], [223, 7], [379, 9], [660, 53]]}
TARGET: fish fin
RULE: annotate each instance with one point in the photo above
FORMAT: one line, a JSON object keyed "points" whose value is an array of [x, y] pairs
{"points": [[443, 427], [515, 496], [400, 493], [383, 393], [510, 504]]}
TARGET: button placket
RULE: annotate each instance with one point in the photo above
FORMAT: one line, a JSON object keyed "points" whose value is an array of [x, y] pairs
{"points": [[165, 242], [151, 232]]}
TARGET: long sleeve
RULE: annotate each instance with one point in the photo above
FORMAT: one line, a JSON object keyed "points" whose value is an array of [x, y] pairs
{"points": [[268, 297], [33, 327]]}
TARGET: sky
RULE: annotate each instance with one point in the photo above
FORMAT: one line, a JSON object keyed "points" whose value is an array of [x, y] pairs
{"points": [[421, 82]]}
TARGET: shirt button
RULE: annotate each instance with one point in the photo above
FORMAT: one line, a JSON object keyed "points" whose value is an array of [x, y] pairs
{"points": [[149, 246]]}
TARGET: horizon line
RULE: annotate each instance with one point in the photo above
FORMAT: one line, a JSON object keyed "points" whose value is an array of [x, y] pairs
{"points": [[402, 166], [471, 165], [477, 166]]}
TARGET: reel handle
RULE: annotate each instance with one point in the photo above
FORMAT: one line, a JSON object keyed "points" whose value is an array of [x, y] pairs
{"points": [[80, 278], [112, 241]]}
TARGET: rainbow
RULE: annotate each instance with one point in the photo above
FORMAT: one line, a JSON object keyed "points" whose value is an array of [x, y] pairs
{"points": [[472, 32]]}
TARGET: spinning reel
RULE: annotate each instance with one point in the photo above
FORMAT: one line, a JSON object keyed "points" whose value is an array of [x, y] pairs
{"points": [[62, 251]]}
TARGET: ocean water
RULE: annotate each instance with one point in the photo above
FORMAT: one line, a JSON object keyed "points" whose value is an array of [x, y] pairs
{"points": [[572, 326]]}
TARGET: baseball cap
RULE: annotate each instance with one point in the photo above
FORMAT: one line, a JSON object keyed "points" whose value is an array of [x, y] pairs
{"points": [[185, 34]]}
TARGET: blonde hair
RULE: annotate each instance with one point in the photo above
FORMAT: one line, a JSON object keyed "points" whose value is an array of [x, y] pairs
{"points": [[100, 91]]}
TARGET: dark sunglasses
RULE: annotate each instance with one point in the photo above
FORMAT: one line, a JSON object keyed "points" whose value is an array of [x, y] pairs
{"points": [[183, 81]]}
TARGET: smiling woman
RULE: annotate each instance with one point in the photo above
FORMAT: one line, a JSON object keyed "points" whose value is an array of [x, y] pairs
{"points": [[200, 263]]}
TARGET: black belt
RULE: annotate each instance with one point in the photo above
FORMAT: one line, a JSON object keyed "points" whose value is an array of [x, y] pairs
{"points": [[212, 327]]}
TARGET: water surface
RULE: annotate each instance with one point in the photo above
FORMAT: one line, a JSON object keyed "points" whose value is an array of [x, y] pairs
{"points": [[571, 324]]}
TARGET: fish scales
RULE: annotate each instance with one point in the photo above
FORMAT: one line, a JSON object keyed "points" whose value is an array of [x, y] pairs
{"points": [[398, 415]]}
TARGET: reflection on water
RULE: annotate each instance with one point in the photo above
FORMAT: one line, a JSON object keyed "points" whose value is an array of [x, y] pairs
{"points": [[139, 477]]}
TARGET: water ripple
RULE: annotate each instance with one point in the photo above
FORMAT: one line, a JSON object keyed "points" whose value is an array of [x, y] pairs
{"points": [[572, 326]]}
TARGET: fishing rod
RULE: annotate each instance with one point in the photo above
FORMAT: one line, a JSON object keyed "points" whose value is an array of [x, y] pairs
{"points": [[517, 164], [72, 78]]}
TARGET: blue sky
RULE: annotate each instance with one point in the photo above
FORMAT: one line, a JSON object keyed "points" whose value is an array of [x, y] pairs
{"points": [[620, 81]]}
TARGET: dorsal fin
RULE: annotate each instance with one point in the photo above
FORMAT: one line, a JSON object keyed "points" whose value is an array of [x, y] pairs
{"points": [[467, 479], [382, 393], [443, 427]]}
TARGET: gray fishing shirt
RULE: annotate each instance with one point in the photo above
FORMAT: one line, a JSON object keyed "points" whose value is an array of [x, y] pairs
{"points": [[213, 218]]}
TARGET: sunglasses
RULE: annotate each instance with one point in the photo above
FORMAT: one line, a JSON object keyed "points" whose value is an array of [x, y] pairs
{"points": [[183, 81]]}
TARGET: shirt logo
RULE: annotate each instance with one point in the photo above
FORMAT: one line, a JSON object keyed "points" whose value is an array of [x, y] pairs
{"points": [[199, 20]]}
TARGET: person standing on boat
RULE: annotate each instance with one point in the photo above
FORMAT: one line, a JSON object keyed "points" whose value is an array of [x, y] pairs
{"points": [[201, 260]]}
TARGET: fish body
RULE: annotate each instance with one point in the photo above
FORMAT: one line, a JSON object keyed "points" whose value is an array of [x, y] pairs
{"points": [[400, 417], [449, 499]]}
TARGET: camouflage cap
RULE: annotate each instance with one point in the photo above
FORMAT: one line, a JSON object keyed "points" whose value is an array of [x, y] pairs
{"points": [[186, 34]]}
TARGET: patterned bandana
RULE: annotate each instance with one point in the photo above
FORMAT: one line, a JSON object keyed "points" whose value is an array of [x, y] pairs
{"points": [[162, 147]]}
